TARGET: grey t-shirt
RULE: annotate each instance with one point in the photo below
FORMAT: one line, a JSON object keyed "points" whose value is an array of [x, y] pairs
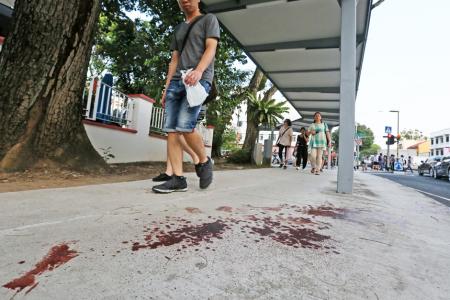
{"points": [[207, 27]]}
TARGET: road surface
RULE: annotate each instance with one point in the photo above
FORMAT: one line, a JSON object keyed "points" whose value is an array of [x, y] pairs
{"points": [[438, 189]]}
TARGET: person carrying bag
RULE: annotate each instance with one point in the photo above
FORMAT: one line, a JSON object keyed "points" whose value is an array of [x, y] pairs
{"points": [[284, 141]]}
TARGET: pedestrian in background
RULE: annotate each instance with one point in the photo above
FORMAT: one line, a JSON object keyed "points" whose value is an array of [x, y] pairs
{"points": [[380, 161], [409, 165], [392, 162], [284, 141], [301, 149], [319, 136], [385, 167]]}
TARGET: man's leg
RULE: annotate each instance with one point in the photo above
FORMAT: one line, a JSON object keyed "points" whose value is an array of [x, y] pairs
{"points": [[169, 169], [204, 168], [175, 153], [195, 142], [189, 150], [177, 182]]}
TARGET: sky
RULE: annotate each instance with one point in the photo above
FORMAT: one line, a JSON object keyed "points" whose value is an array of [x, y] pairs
{"points": [[406, 67]]}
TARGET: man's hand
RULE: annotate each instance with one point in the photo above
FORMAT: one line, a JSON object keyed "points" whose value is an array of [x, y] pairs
{"points": [[193, 77]]}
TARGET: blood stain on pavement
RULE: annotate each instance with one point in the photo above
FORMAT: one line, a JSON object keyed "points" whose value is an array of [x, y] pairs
{"points": [[187, 235], [290, 225], [325, 211], [225, 208], [193, 210], [57, 256]]}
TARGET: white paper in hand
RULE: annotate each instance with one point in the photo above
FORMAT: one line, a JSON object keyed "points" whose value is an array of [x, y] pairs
{"points": [[195, 94]]}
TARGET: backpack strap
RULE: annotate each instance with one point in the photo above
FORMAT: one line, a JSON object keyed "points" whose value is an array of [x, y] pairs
{"points": [[189, 31]]}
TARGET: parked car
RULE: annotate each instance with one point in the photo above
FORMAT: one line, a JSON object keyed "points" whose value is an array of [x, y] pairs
{"points": [[427, 166], [442, 168]]}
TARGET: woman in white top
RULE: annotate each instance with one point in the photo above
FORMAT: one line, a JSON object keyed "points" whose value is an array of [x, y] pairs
{"points": [[284, 141]]}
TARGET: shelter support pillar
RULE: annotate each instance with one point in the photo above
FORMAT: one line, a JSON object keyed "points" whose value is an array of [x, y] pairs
{"points": [[347, 96]]}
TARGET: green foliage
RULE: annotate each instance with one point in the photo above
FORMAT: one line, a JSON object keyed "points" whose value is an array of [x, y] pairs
{"points": [[372, 150], [364, 132], [239, 156], [367, 136], [137, 52], [335, 138], [229, 140], [265, 112], [412, 134]]}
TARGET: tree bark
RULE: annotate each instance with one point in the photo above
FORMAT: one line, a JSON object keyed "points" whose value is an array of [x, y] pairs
{"points": [[252, 131], [270, 92], [43, 68]]}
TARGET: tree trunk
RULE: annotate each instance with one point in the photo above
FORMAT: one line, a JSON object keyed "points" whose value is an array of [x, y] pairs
{"points": [[216, 150], [251, 132], [270, 92], [43, 68]]}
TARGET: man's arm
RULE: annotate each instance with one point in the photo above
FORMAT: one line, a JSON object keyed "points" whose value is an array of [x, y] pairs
{"points": [[207, 58], [170, 72]]}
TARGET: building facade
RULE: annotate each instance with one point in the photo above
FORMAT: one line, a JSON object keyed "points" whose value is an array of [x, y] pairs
{"points": [[440, 142], [421, 148]]}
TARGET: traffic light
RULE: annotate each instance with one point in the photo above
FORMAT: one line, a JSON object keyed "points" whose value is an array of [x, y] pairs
{"points": [[398, 137], [390, 139]]}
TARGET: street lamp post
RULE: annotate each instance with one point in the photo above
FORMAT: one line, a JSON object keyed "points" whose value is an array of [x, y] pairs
{"points": [[398, 125]]}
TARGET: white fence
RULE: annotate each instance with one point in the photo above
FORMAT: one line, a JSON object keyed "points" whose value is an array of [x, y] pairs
{"points": [[109, 105], [130, 141], [157, 120]]}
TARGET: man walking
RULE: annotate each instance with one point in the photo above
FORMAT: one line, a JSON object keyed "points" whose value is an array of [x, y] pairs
{"points": [[409, 165], [193, 47]]}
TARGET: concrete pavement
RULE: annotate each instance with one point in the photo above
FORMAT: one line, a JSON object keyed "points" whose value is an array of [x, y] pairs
{"points": [[255, 234]]}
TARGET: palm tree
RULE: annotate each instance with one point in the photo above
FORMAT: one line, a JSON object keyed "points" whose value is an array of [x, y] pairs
{"points": [[261, 112]]}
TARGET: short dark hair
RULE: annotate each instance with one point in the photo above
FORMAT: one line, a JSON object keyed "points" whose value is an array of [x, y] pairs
{"points": [[288, 121], [303, 128]]}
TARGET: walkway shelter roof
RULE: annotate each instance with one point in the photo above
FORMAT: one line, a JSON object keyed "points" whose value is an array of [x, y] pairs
{"points": [[297, 45]]}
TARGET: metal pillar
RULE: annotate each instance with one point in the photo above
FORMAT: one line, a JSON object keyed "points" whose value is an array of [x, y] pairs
{"points": [[347, 96], [398, 129]]}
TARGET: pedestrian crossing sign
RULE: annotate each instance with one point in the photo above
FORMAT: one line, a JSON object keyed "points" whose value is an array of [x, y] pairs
{"points": [[388, 129]]}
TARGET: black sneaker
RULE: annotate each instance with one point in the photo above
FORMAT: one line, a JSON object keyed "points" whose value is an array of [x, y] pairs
{"points": [[205, 172], [162, 177], [175, 184]]}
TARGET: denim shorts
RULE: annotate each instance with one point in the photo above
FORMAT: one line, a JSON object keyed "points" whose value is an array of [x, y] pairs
{"points": [[179, 116]]}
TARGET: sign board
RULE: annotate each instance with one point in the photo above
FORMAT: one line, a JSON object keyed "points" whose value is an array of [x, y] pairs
{"points": [[398, 166], [359, 142], [388, 129]]}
